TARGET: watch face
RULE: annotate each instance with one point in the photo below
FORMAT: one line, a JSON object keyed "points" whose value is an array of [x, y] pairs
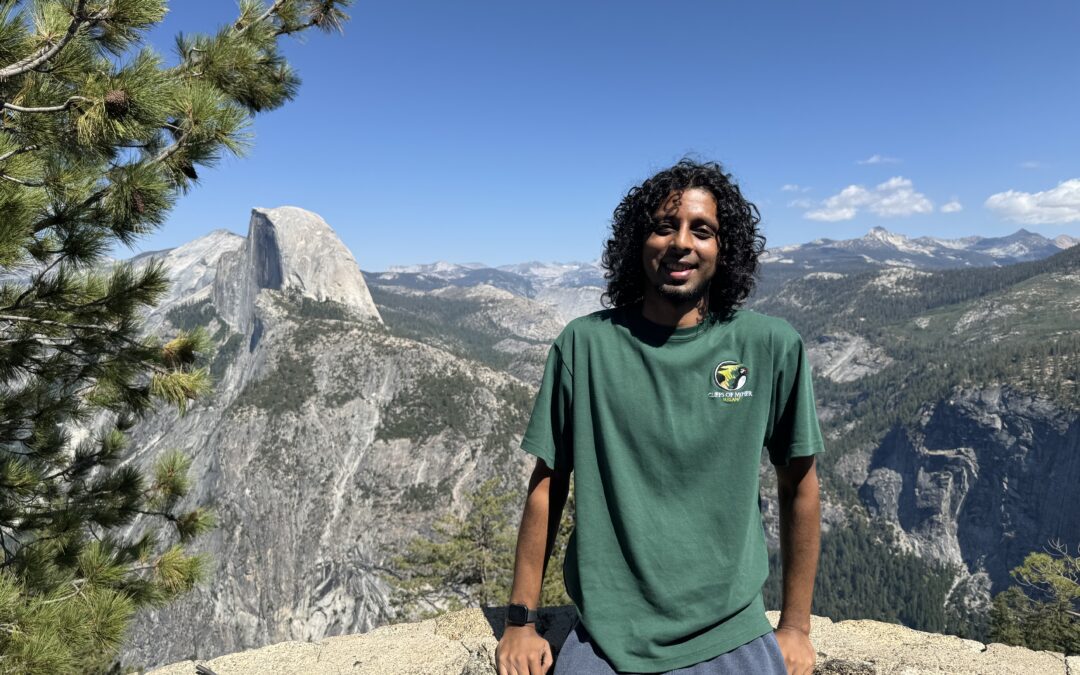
{"points": [[517, 614]]}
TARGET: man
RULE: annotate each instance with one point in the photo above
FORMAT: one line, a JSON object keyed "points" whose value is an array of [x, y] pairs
{"points": [[660, 406]]}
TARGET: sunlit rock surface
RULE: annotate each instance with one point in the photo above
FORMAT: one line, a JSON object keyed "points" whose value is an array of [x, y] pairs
{"points": [[464, 643]]}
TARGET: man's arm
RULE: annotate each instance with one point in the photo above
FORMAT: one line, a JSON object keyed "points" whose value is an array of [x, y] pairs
{"points": [[800, 543], [521, 649], [536, 536]]}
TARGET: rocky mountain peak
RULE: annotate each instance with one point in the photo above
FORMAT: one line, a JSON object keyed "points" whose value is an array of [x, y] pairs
{"points": [[289, 248], [296, 249]]}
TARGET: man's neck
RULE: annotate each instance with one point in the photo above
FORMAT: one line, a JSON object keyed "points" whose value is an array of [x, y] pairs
{"points": [[677, 315]]}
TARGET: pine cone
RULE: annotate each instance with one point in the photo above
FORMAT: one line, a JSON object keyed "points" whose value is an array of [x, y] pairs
{"points": [[188, 169], [137, 203], [117, 103]]}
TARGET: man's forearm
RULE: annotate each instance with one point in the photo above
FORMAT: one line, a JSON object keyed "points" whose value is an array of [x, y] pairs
{"points": [[800, 542], [536, 536]]}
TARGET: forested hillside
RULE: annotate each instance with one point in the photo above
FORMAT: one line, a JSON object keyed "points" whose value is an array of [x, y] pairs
{"points": [[1012, 329]]}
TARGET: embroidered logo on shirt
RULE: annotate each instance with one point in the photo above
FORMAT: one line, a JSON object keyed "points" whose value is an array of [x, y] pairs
{"points": [[731, 377]]}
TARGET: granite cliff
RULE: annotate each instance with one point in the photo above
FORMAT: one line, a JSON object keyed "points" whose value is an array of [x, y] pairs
{"points": [[981, 479], [327, 442]]}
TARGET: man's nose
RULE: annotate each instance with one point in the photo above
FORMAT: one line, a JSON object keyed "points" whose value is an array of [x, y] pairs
{"points": [[683, 238]]}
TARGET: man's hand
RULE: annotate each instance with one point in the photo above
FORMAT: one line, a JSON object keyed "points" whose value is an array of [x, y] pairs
{"points": [[799, 654], [522, 651]]}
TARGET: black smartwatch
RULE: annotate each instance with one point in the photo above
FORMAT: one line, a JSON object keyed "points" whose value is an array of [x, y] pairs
{"points": [[519, 615]]}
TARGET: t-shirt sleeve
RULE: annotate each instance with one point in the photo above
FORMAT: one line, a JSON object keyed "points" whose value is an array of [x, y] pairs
{"points": [[548, 433], [793, 429]]}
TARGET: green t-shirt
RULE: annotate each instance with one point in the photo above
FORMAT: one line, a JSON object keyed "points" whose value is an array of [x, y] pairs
{"points": [[663, 430]]}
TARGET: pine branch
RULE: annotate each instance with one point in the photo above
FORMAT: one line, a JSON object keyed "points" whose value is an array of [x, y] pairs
{"points": [[172, 148], [50, 221], [296, 29], [47, 109], [31, 286], [46, 53], [18, 151], [240, 28], [162, 514], [66, 348], [60, 324], [24, 183], [78, 584]]}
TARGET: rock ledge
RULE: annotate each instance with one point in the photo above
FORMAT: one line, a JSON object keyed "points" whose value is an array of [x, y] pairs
{"points": [[463, 643]]}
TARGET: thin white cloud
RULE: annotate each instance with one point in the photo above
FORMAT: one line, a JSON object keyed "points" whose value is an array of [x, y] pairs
{"points": [[894, 198], [801, 203], [878, 159], [1031, 164], [1057, 205], [952, 207], [792, 187]]}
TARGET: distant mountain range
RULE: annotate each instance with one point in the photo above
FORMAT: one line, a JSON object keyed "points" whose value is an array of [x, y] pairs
{"points": [[573, 288], [881, 247]]}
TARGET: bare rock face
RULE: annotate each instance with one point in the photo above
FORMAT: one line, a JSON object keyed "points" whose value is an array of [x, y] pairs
{"points": [[328, 442], [506, 312], [192, 268], [464, 643], [844, 357], [289, 248], [570, 302], [984, 477]]}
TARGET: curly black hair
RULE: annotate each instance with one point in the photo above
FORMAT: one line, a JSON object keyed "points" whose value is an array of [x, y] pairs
{"points": [[740, 242]]}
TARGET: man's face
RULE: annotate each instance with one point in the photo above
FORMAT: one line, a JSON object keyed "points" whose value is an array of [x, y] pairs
{"points": [[680, 253]]}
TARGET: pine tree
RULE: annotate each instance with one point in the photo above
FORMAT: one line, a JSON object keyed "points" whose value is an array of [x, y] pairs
{"points": [[97, 140], [470, 561], [1042, 611]]}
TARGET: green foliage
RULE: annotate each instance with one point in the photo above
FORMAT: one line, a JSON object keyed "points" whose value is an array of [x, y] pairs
{"points": [[1042, 611], [191, 315], [469, 562], [292, 380], [441, 401], [967, 328], [201, 314], [426, 497], [515, 404], [447, 401], [285, 388], [873, 405], [946, 331], [862, 575], [307, 308], [94, 151]]}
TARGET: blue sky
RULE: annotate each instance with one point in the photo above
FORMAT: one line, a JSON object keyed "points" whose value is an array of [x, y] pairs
{"points": [[502, 132]]}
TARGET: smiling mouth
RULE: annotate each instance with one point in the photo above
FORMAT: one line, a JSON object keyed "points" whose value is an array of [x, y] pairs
{"points": [[678, 270]]}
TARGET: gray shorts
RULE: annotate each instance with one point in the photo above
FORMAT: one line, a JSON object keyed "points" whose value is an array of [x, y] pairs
{"points": [[761, 656]]}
